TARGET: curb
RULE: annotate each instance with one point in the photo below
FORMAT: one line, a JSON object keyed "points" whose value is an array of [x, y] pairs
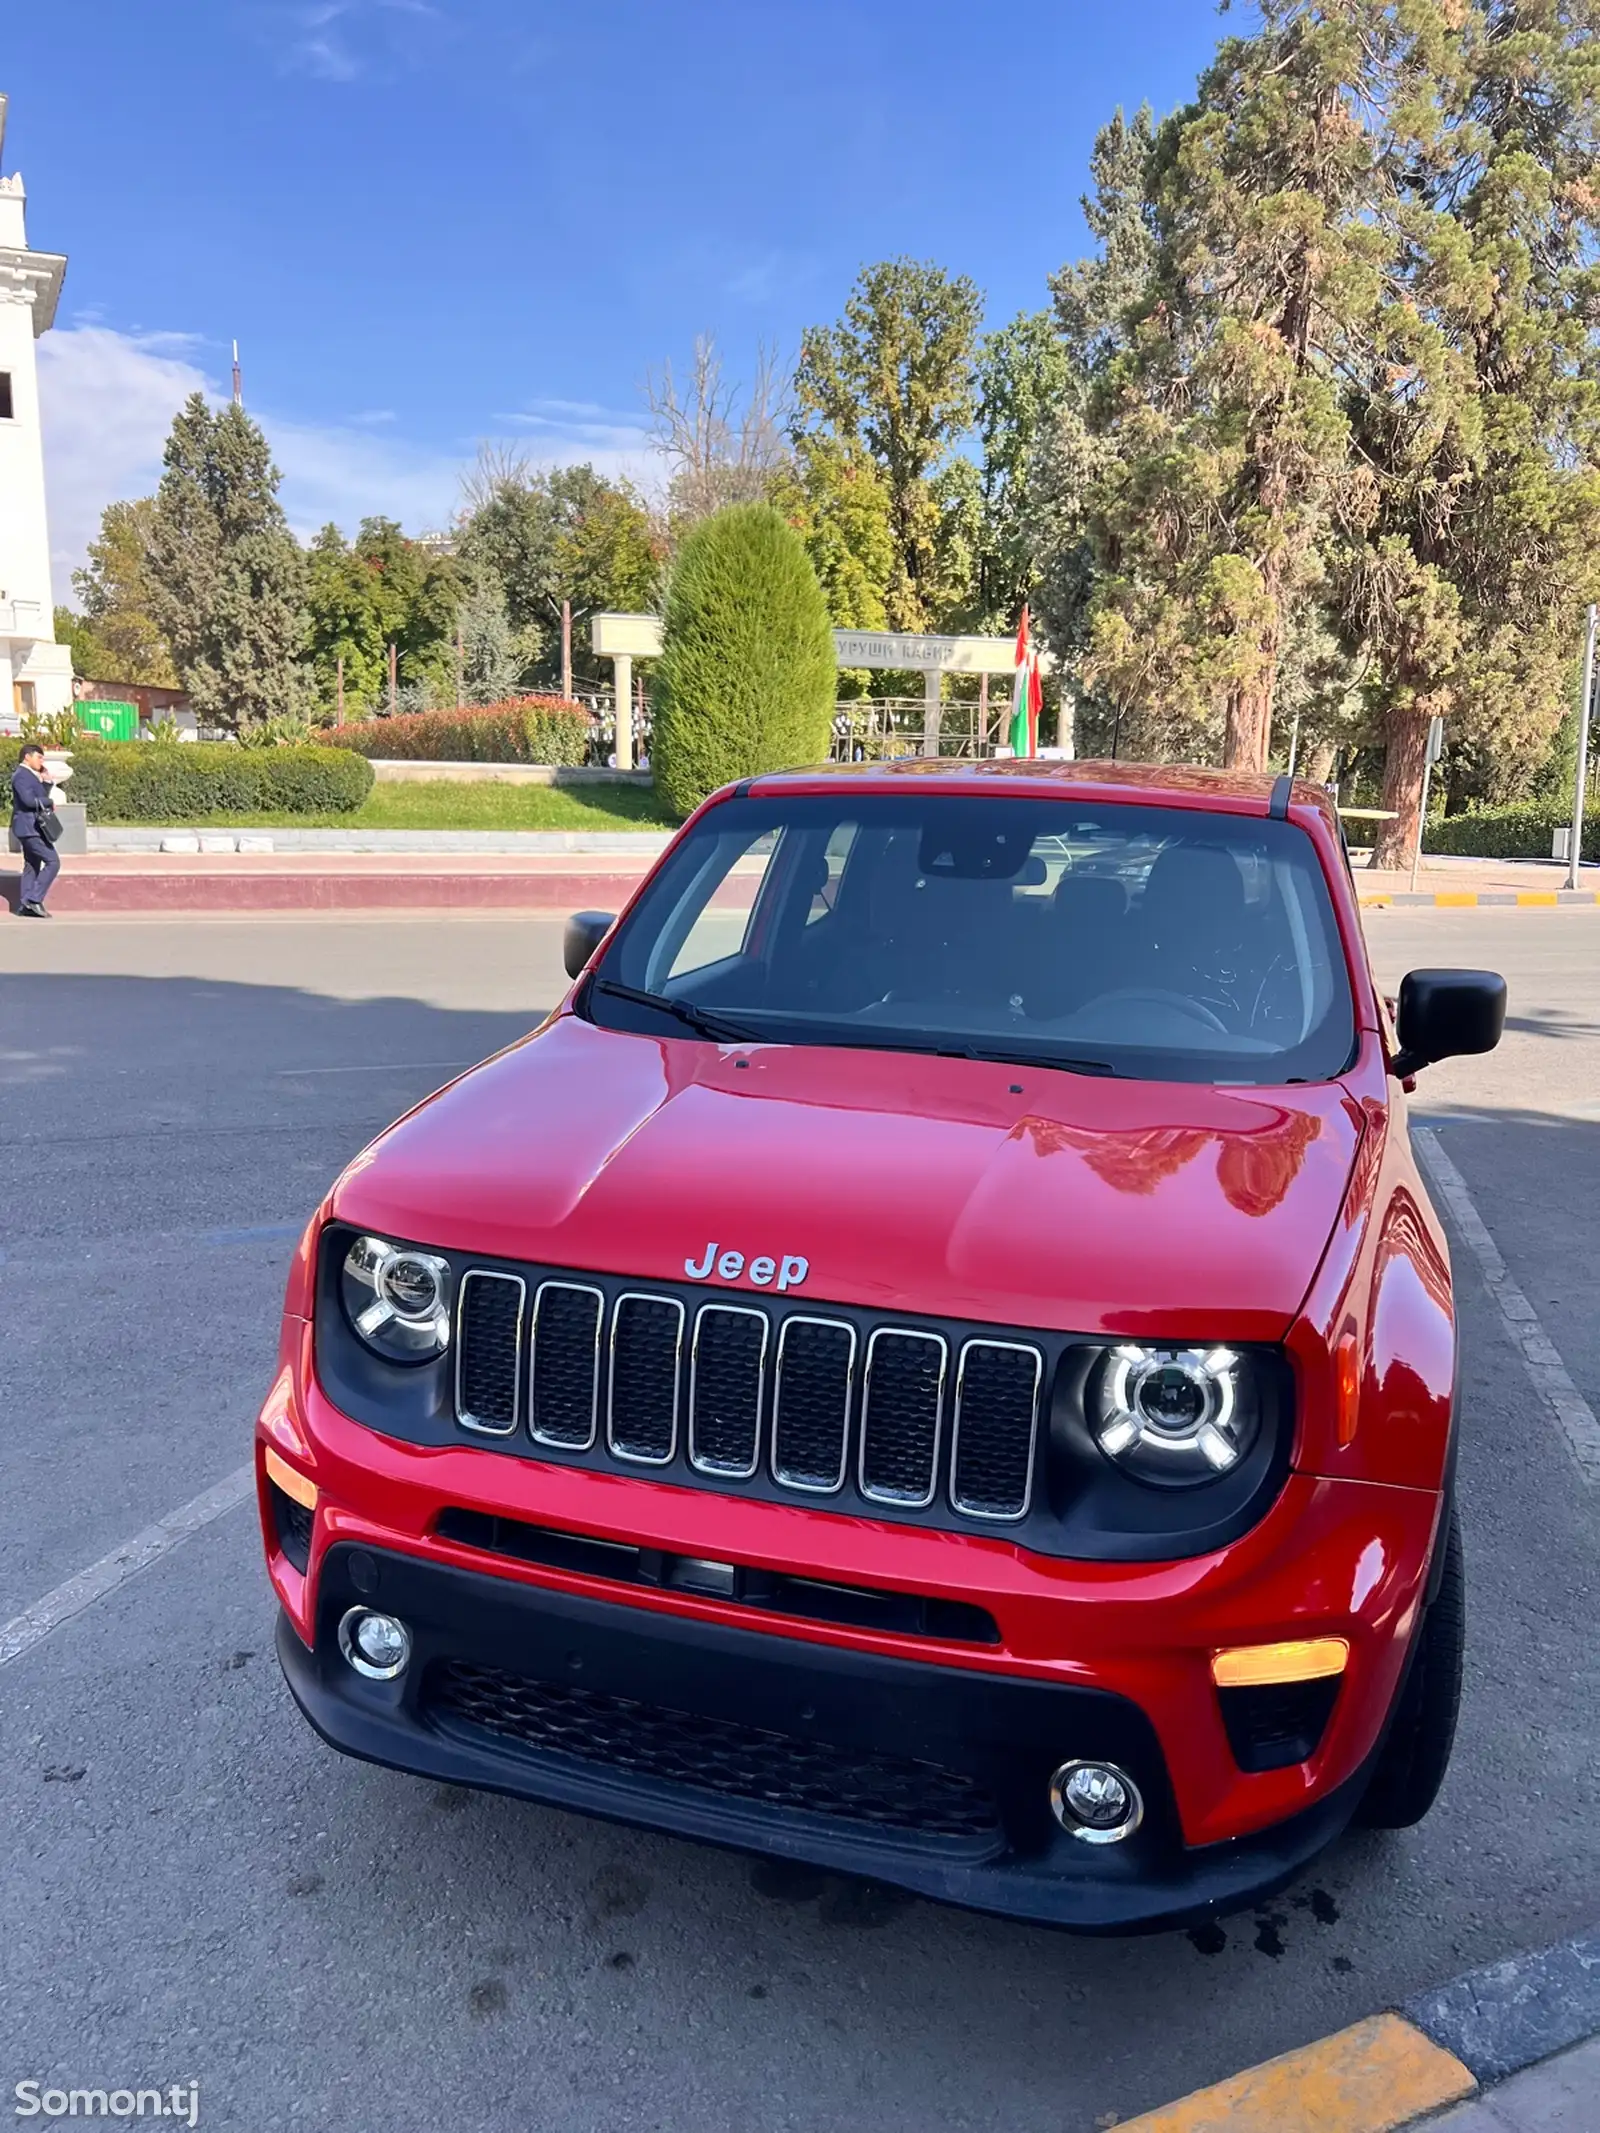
{"points": [[522, 844], [1396, 2068], [421, 889], [1466, 899]]}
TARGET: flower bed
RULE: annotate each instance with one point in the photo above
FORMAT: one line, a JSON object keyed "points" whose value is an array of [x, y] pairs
{"points": [[525, 729]]}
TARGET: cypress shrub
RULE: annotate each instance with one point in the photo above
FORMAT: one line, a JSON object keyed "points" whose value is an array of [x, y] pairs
{"points": [[155, 781], [746, 678], [527, 729]]}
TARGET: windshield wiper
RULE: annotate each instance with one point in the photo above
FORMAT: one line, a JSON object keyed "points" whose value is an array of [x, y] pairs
{"points": [[1001, 1057], [702, 1022]]}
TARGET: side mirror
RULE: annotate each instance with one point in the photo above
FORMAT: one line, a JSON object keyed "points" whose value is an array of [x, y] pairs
{"points": [[1443, 1014], [584, 932]]}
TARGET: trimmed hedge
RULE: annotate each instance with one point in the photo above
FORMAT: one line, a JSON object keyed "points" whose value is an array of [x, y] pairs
{"points": [[525, 729], [1522, 831], [160, 781]]}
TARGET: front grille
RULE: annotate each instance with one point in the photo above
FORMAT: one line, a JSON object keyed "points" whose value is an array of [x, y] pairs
{"points": [[898, 1614], [997, 1411], [811, 1403], [773, 1770], [489, 1355], [886, 1417], [730, 1353], [900, 1410], [642, 1413], [566, 1364]]}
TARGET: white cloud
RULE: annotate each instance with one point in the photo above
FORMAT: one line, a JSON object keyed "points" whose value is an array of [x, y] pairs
{"points": [[108, 400], [342, 40]]}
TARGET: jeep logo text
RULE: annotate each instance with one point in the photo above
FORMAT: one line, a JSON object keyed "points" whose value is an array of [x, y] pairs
{"points": [[789, 1270]]}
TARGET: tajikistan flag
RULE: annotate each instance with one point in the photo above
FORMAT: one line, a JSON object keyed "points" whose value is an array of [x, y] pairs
{"points": [[1027, 697]]}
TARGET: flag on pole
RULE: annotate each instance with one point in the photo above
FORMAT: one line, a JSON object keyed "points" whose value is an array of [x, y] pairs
{"points": [[1027, 698]]}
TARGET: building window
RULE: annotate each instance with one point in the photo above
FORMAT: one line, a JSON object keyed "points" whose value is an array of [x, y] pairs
{"points": [[5, 396]]}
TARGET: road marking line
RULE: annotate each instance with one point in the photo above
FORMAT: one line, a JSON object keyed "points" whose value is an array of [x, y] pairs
{"points": [[1574, 1416], [124, 1562], [1370, 2078], [379, 1066]]}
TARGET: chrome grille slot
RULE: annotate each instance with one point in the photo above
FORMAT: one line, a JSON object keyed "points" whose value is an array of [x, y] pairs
{"points": [[996, 1424], [811, 1404], [565, 1400], [642, 1403], [727, 1363], [900, 1411], [489, 1351]]}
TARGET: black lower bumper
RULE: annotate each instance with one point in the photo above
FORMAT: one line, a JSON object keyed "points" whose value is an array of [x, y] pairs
{"points": [[933, 1778]]}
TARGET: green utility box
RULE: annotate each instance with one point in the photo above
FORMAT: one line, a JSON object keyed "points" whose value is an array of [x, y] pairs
{"points": [[109, 720]]}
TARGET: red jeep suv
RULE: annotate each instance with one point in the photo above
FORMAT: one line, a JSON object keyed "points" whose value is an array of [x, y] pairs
{"points": [[935, 1360]]}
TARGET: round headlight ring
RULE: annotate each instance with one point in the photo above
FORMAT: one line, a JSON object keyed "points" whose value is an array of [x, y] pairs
{"points": [[397, 1299], [1172, 1416]]}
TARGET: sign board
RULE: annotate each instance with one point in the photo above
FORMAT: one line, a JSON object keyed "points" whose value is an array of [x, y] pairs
{"points": [[626, 636], [1435, 739], [639, 637], [940, 655]]}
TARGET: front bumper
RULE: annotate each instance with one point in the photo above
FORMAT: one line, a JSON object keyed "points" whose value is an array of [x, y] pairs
{"points": [[818, 1752]]}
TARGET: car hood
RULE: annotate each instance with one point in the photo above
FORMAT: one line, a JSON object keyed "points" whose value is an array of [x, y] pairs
{"points": [[948, 1187]]}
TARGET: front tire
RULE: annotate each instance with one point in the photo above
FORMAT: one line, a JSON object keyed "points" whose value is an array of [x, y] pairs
{"points": [[1416, 1753]]}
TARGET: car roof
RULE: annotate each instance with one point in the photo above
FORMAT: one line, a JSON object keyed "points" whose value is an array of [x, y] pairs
{"points": [[1162, 784]]}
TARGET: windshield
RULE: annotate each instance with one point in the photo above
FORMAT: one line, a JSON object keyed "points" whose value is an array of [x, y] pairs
{"points": [[1151, 942]]}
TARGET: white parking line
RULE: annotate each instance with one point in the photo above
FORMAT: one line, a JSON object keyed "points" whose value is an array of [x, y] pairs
{"points": [[1575, 1418], [26, 1630]]}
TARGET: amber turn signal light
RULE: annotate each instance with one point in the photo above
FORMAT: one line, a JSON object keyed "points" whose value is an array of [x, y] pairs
{"points": [[1258, 1666], [292, 1484]]}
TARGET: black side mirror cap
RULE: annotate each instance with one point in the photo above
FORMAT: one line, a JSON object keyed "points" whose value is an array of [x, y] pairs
{"points": [[1446, 1014], [585, 931]]}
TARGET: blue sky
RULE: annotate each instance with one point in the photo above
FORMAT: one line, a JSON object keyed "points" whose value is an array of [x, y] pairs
{"points": [[435, 221]]}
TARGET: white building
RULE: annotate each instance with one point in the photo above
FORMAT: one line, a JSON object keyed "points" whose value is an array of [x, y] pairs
{"points": [[35, 671]]}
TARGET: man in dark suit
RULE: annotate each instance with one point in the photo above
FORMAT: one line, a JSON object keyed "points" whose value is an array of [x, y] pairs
{"points": [[31, 798]]}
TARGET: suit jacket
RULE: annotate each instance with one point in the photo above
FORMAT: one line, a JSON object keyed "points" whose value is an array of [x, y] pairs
{"points": [[30, 797]]}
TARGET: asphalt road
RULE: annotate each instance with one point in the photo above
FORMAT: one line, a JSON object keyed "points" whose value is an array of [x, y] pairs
{"points": [[194, 1889]]}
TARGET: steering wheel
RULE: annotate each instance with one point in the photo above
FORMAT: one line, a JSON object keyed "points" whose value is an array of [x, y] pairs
{"points": [[1157, 995]]}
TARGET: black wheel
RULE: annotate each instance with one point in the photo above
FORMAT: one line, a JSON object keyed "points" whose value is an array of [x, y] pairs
{"points": [[1416, 1754]]}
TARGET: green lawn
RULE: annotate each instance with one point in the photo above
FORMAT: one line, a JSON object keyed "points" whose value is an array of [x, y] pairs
{"points": [[445, 805]]}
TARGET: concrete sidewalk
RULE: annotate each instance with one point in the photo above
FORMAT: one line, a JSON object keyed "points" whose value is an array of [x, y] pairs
{"points": [[1561, 2095]]}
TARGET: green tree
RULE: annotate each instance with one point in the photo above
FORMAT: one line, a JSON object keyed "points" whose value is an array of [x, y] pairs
{"points": [[494, 659], [892, 386], [549, 535], [227, 577], [1479, 409], [746, 675], [1024, 378], [1223, 475], [118, 639], [379, 590]]}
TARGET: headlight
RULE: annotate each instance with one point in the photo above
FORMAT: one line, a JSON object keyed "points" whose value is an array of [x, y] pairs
{"points": [[398, 1300], [1174, 1416]]}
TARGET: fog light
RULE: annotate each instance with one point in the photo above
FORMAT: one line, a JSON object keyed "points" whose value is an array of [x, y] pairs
{"points": [[1096, 1802], [375, 1645]]}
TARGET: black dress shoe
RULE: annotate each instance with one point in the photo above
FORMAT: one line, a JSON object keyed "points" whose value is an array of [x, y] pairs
{"points": [[32, 911]]}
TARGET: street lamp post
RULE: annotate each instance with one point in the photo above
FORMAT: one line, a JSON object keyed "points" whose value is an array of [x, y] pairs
{"points": [[1575, 854]]}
